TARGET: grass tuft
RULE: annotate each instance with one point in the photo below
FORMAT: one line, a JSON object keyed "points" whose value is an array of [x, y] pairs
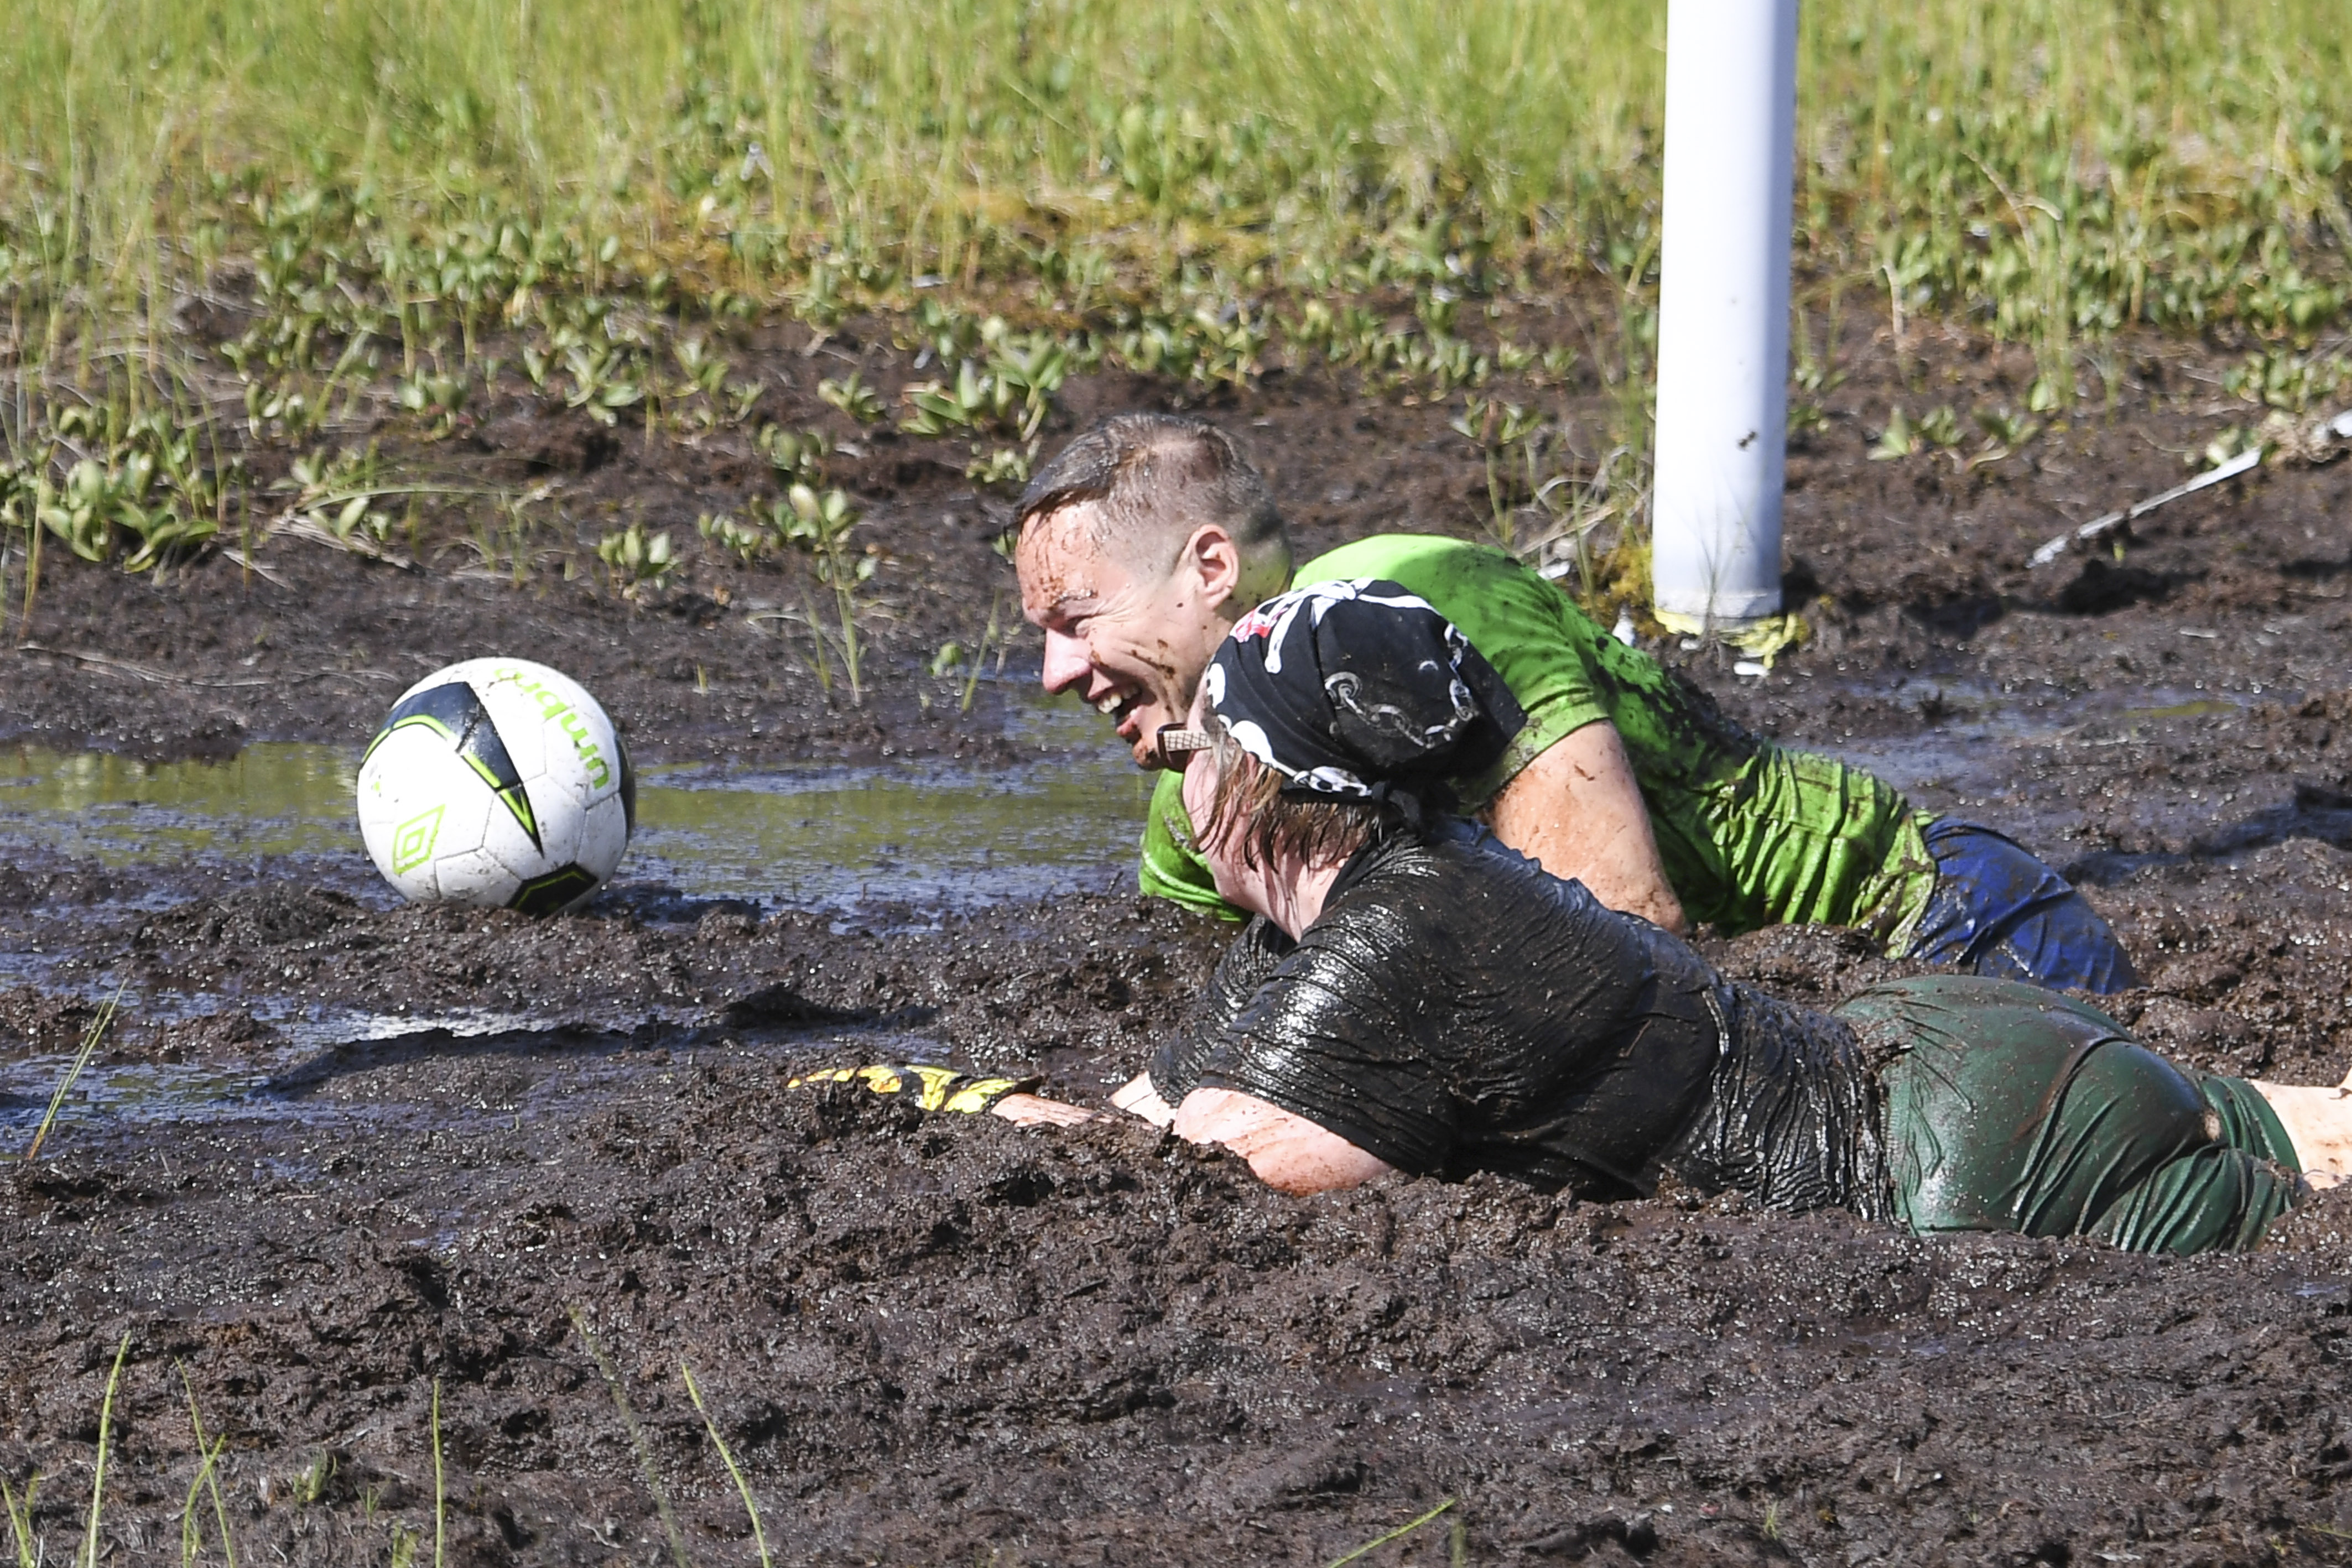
{"points": [[207, 1480], [399, 216], [90, 1043], [20, 1520]]}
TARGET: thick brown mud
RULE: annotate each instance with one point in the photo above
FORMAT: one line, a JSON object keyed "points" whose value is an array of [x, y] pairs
{"points": [[340, 1153]]}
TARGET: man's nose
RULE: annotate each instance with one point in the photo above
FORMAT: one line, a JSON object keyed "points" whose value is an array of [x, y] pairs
{"points": [[1066, 662]]}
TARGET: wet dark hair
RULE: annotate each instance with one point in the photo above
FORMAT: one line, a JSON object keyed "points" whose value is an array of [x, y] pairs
{"points": [[1320, 830], [1153, 479]]}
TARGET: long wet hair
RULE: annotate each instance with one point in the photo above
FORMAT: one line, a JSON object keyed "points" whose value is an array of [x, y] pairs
{"points": [[1320, 830]]}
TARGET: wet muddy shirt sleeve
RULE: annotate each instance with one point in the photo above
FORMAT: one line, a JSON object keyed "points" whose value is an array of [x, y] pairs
{"points": [[1248, 964], [1332, 1035]]}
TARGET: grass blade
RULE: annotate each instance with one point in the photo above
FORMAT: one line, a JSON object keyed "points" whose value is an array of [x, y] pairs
{"points": [[440, 1495], [733, 1469], [97, 1478], [636, 1437], [90, 1040], [20, 1520], [192, 1531], [1399, 1533], [208, 1476]]}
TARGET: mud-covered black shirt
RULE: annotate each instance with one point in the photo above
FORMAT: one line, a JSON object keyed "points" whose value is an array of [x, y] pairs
{"points": [[1456, 1008]]}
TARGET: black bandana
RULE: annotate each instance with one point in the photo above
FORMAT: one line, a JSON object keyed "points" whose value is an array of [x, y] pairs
{"points": [[1348, 689]]}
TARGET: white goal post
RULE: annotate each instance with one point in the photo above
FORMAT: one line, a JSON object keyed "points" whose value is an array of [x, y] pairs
{"points": [[1723, 313]]}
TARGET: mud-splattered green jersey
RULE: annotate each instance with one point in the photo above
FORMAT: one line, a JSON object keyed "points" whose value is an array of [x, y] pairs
{"points": [[1750, 835]]}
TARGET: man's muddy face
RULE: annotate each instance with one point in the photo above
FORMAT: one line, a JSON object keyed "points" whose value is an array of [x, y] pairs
{"points": [[1133, 648]]}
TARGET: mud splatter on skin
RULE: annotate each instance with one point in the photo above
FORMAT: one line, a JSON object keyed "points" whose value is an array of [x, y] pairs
{"points": [[1075, 590], [937, 1341]]}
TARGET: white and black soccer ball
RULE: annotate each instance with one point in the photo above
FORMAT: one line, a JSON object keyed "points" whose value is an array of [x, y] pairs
{"points": [[498, 783]]}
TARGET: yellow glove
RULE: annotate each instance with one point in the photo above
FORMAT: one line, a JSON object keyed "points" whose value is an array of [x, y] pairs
{"points": [[934, 1088]]}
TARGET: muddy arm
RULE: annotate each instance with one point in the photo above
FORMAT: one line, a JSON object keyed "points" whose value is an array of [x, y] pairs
{"points": [[1578, 811], [1136, 1095], [1288, 1152]]}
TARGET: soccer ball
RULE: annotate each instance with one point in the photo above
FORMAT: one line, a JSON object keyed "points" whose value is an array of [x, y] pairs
{"points": [[499, 783]]}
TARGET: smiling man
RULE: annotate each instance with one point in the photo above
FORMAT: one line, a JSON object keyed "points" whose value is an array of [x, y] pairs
{"points": [[1149, 536]]}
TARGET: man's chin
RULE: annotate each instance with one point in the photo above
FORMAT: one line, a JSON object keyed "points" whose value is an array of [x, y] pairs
{"points": [[1143, 742]]}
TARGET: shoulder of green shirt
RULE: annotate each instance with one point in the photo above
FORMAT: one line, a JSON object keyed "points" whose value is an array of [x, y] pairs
{"points": [[1543, 646], [1169, 866], [1548, 651]]}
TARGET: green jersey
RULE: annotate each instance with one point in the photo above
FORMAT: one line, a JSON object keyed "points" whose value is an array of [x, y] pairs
{"points": [[1750, 835]]}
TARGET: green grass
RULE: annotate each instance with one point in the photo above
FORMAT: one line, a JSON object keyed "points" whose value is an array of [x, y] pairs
{"points": [[636, 1432], [995, 139], [91, 1550], [734, 1471], [208, 1478], [1401, 1531], [95, 1033], [589, 195]]}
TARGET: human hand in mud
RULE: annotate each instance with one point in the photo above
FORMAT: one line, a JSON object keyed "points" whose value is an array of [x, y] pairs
{"points": [[1138, 1097], [1036, 1110]]}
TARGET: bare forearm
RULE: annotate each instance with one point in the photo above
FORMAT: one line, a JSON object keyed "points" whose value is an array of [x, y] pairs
{"points": [[1621, 874], [1136, 1096], [1578, 811]]}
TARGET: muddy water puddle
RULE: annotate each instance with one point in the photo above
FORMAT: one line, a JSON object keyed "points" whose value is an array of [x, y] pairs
{"points": [[1978, 755], [935, 835], [928, 835]]}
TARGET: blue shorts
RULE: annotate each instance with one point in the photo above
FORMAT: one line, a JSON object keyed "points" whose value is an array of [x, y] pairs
{"points": [[1997, 910]]}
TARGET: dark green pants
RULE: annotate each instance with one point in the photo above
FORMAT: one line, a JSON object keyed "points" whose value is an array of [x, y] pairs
{"points": [[2013, 1108]]}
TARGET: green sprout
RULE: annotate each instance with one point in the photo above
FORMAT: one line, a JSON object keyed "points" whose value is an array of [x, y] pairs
{"points": [[726, 1457], [853, 397], [91, 1037], [819, 528], [797, 456], [636, 560], [745, 541]]}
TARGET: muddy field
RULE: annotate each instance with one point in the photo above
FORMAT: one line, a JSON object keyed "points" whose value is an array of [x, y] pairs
{"points": [[353, 1151]]}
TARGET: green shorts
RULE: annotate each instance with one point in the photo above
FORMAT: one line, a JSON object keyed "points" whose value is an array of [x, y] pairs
{"points": [[2013, 1108]]}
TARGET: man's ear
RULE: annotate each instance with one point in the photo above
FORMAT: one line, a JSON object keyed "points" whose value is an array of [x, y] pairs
{"points": [[1214, 559]]}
